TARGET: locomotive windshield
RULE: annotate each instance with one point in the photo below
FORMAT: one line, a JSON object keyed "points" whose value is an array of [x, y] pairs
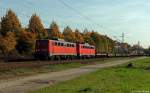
{"points": [[41, 45]]}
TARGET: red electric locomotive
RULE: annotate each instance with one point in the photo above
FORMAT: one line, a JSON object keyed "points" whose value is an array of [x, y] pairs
{"points": [[62, 49], [54, 48], [85, 50]]}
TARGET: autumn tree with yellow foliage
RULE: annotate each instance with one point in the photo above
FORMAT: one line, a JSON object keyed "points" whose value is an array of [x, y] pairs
{"points": [[87, 37], [78, 36], [10, 23], [35, 26], [69, 35], [26, 42], [96, 37], [10, 29], [54, 31], [7, 43]]}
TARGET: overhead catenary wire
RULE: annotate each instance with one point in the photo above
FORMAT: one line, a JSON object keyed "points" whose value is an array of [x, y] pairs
{"points": [[82, 15], [20, 13], [28, 4], [90, 20]]}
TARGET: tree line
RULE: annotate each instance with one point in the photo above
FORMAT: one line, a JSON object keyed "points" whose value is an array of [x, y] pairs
{"points": [[14, 38]]}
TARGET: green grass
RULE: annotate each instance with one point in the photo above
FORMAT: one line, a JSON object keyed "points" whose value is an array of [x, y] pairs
{"points": [[119, 79]]}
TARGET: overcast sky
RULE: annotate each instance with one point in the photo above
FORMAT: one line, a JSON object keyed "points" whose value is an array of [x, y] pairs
{"points": [[110, 17]]}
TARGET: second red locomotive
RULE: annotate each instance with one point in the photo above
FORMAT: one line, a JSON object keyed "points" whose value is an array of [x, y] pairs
{"points": [[62, 49]]}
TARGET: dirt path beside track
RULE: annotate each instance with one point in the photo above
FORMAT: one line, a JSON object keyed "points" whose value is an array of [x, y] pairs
{"points": [[28, 83]]}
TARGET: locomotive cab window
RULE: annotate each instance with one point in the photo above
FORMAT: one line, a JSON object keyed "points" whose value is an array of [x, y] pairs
{"points": [[73, 45], [62, 44], [67, 45], [55, 43], [59, 44]]}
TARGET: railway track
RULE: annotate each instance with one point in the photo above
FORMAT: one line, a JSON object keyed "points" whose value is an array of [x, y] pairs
{"points": [[31, 62], [4, 66]]}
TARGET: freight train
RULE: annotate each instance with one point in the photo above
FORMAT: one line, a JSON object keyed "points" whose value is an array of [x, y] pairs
{"points": [[60, 49]]}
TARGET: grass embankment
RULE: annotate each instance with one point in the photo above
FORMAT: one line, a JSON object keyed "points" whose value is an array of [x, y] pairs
{"points": [[25, 71], [119, 79]]}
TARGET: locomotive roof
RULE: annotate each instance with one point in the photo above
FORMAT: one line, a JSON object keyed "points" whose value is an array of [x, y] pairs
{"points": [[85, 44], [63, 41], [57, 41]]}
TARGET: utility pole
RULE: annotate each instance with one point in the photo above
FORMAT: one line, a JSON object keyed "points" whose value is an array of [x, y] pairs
{"points": [[122, 36], [138, 51], [139, 43], [121, 42]]}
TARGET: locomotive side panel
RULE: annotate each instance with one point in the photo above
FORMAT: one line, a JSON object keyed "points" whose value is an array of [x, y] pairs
{"points": [[85, 50], [63, 48]]}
